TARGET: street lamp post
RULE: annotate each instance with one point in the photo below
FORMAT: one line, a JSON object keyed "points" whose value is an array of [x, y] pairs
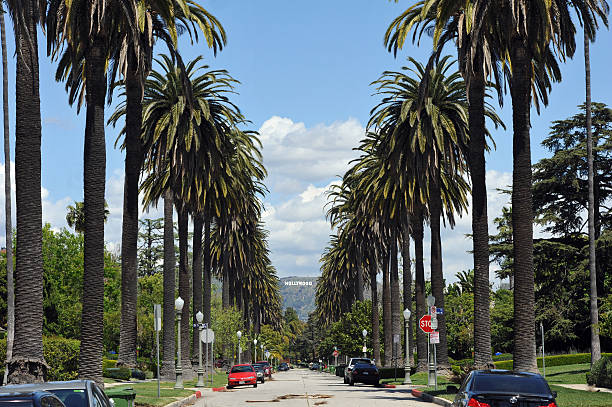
{"points": [[407, 379], [255, 343], [364, 333], [178, 306], [200, 318], [239, 334]]}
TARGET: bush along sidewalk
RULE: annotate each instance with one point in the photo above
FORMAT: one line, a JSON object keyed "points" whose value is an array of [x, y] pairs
{"points": [[601, 373]]}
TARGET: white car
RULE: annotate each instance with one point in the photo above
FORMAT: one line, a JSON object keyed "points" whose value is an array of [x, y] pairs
{"points": [[352, 363]]}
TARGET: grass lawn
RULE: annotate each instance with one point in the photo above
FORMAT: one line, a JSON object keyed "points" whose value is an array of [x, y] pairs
{"points": [[146, 392], [570, 374]]}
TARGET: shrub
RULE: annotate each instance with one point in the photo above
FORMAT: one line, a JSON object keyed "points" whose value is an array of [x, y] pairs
{"points": [[108, 363], [389, 372], [121, 373], [149, 374], [601, 373], [557, 360]]}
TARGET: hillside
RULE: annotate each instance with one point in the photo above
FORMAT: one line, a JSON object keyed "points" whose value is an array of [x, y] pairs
{"points": [[299, 293]]}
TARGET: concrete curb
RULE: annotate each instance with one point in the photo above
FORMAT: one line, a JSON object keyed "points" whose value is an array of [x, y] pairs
{"points": [[186, 401], [432, 399]]}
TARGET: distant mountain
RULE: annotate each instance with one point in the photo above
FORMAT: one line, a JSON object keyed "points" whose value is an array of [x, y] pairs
{"points": [[299, 294]]}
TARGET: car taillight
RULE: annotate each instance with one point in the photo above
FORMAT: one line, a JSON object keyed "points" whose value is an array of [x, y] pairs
{"points": [[356, 371], [550, 405], [475, 403]]}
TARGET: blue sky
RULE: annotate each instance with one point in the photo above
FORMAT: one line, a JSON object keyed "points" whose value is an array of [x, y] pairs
{"points": [[305, 69]]}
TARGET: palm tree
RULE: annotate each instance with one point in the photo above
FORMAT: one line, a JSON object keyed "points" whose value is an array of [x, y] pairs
{"points": [[8, 202], [428, 143], [27, 363], [169, 350], [75, 218], [595, 345]]}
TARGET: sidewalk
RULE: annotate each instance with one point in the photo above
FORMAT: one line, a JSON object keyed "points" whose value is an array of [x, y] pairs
{"points": [[585, 387]]}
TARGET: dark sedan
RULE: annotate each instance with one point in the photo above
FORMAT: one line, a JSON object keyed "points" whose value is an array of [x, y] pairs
{"points": [[504, 388], [363, 373], [29, 399], [73, 393]]}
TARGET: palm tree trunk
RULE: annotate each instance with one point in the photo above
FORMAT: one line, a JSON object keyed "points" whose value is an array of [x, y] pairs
{"points": [[169, 349], [94, 181], [207, 276], [226, 281], [480, 226], [419, 288], [28, 364], [375, 314], [198, 223], [8, 202], [595, 345], [387, 318], [396, 312], [437, 275], [522, 211], [184, 290], [128, 334], [359, 282], [407, 282]]}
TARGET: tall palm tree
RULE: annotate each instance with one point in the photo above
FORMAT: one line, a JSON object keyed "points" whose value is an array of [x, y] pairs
{"points": [[8, 202], [27, 364], [80, 30], [595, 345], [428, 143]]}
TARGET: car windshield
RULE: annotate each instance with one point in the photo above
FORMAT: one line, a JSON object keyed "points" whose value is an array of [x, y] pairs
{"points": [[355, 361], [363, 365], [510, 383], [242, 369], [15, 403], [258, 367], [71, 397]]}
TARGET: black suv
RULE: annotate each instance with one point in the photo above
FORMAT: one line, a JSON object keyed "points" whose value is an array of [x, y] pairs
{"points": [[73, 393], [504, 388], [29, 399], [363, 373]]}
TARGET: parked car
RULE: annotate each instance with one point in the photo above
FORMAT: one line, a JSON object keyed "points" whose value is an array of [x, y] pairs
{"points": [[73, 393], [267, 366], [261, 372], [283, 367], [487, 388], [315, 366], [242, 375], [29, 399], [351, 363], [363, 373]]}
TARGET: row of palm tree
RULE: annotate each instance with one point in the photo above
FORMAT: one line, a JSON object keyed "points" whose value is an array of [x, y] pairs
{"points": [[415, 161], [181, 135]]}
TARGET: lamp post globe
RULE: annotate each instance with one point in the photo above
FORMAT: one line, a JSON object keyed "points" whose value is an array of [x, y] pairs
{"points": [[255, 346], [407, 360], [364, 333], [178, 306]]}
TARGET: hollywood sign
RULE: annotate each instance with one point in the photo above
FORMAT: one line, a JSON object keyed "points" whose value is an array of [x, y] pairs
{"points": [[298, 282]]}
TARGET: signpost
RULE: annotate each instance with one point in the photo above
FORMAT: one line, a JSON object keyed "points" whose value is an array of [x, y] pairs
{"points": [[434, 337], [335, 353], [207, 336], [157, 318], [430, 326], [425, 324]]}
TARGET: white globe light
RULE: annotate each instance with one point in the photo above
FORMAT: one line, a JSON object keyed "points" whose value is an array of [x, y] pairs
{"points": [[364, 333], [239, 334], [407, 314], [255, 342], [199, 317], [178, 304]]}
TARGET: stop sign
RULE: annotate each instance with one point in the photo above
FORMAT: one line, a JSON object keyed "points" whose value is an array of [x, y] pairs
{"points": [[425, 324]]}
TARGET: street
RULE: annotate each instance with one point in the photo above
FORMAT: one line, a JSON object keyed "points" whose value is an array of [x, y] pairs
{"points": [[301, 387]]}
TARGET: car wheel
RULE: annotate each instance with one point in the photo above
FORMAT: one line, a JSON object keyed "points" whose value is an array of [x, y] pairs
{"points": [[229, 387], [255, 385], [351, 383]]}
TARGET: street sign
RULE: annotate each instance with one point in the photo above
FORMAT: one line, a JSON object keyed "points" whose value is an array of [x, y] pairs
{"points": [[439, 311], [336, 353], [396, 338], [430, 300], [434, 323], [157, 317], [200, 325], [432, 310], [207, 335], [267, 354], [425, 324], [365, 349], [434, 337]]}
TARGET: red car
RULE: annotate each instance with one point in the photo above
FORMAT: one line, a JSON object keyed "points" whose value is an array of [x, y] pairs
{"points": [[242, 375], [267, 367]]}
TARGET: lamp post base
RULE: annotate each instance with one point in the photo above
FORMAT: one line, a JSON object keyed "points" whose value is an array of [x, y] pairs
{"points": [[200, 378], [407, 379], [179, 379]]}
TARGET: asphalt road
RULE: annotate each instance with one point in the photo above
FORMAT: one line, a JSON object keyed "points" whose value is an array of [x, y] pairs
{"points": [[305, 388]]}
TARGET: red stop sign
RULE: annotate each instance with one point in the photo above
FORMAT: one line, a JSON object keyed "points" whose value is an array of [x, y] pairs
{"points": [[425, 324]]}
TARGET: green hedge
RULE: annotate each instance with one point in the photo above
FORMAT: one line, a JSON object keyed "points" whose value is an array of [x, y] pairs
{"points": [[557, 360], [601, 373], [62, 356], [121, 373], [108, 363], [389, 372], [470, 361]]}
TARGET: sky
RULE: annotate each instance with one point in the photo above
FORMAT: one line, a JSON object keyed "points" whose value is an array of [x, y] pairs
{"points": [[305, 69]]}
